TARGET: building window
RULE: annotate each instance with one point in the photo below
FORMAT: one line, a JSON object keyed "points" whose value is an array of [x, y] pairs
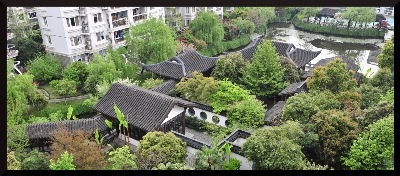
{"points": [[73, 21], [49, 39], [193, 9], [203, 115], [45, 21], [187, 23], [100, 36], [187, 9], [215, 119], [191, 111], [97, 17], [76, 40]]}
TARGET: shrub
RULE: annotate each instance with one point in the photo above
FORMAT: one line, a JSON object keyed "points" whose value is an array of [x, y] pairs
{"points": [[220, 47], [35, 161], [234, 164], [151, 83]]}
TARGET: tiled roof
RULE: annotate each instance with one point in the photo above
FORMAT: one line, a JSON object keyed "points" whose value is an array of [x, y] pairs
{"points": [[44, 130], [145, 109], [373, 56], [283, 49], [301, 57], [274, 112], [182, 65], [351, 65], [249, 50], [292, 88], [165, 87], [328, 12]]}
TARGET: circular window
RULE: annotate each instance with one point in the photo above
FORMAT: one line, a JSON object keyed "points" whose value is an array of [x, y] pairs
{"points": [[227, 123], [191, 111], [215, 119], [203, 115]]}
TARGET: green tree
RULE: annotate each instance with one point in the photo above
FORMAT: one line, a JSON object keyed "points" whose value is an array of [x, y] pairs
{"points": [[230, 30], [271, 151], [29, 47], [171, 166], [389, 96], [63, 163], [234, 164], [377, 112], [45, 68], [65, 88], [383, 79], [264, 76], [227, 94], [151, 41], [12, 162], [35, 160], [76, 71], [249, 112], [370, 95], [313, 166], [374, 148], [230, 66], [260, 16], [209, 158], [207, 27], [174, 20], [386, 58], [118, 56], [100, 69], [336, 131], [159, 147], [122, 159], [308, 12], [151, 83], [291, 73], [197, 88], [333, 77], [246, 26], [359, 15]]}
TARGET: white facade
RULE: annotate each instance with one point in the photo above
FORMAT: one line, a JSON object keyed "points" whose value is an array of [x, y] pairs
{"points": [[176, 110], [207, 116], [78, 32]]}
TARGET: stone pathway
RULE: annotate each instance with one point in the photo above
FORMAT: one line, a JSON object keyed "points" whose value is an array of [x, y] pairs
{"points": [[68, 99], [201, 136]]}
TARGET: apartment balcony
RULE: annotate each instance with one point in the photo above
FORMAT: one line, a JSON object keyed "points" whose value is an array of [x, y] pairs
{"points": [[78, 49], [139, 18], [119, 43], [10, 52], [120, 22]]}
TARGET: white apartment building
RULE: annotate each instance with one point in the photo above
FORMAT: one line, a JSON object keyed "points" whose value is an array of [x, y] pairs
{"points": [[189, 13], [75, 33]]}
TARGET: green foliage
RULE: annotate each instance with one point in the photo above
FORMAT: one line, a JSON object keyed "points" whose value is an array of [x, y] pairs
{"points": [[260, 16], [29, 47], [63, 163], [246, 26], [230, 30], [45, 68], [333, 77], [198, 43], [151, 83], [12, 162], [374, 148], [216, 132], [128, 70], [313, 166], [383, 79], [65, 88], [97, 137], [159, 147], [264, 76], [35, 160], [285, 13], [151, 41], [220, 47], [269, 150], [336, 131], [207, 27], [386, 58], [76, 71], [227, 93], [359, 14], [249, 113], [122, 159], [291, 73], [302, 106], [209, 158], [109, 123], [377, 112], [389, 96], [233, 164], [370, 95], [197, 88], [308, 12], [33, 120], [230, 66], [171, 166], [17, 137], [296, 132], [79, 108], [336, 30]]}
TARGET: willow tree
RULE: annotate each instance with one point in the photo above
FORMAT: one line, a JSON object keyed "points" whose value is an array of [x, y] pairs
{"points": [[359, 15], [151, 42], [208, 27], [308, 12]]}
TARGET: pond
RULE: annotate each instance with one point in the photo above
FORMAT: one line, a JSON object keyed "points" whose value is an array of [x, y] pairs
{"points": [[330, 46]]}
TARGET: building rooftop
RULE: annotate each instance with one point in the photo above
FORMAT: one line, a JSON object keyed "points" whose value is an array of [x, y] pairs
{"points": [[273, 113]]}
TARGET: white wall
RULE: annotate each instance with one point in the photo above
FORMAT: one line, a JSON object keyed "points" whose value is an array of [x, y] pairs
{"points": [[197, 111], [246, 164], [174, 112], [131, 141]]}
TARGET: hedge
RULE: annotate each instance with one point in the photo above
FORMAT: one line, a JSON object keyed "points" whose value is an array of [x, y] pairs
{"points": [[221, 47], [215, 131], [79, 108], [335, 30]]}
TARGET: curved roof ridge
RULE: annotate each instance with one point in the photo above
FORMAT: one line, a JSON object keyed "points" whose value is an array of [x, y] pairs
{"points": [[182, 64]]}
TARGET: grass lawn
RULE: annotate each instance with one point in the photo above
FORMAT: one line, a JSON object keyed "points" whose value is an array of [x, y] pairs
{"points": [[54, 107], [49, 90]]}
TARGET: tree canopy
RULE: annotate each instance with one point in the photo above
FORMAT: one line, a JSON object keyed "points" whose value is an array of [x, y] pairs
{"points": [[264, 76], [246, 26], [197, 88], [291, 73], [121, 159], [386, 58], [359, 14], [308, 12], [159, 147], [230, 66], [248, 112], [76, 71], [374, 148], [383, 79], [207, 27], [227, 94], [29, 48], [151, 41], [45, 68], [260, 16], [63, 163]]}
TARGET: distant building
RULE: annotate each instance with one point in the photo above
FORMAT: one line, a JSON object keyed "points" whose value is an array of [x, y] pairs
{"points": [[189, 13]]}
